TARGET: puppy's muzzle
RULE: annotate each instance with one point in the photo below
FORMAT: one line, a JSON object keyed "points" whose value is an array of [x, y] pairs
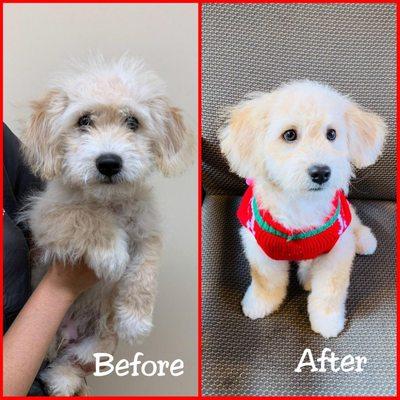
{"points": [[109, 164], [319, 173]]}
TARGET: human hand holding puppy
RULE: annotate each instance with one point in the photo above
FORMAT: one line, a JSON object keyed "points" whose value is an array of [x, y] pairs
{"points": [[299, 144], [70, 279]]}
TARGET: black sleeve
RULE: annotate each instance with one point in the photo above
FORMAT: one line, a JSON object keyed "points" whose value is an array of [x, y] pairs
{"points": [[18, 180], [16, 271]]}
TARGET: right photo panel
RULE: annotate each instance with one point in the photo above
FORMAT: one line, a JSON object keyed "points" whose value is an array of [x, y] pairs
{"points": [[299, 206]]}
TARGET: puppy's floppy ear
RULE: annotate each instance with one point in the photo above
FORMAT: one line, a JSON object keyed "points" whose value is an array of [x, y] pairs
{"points": [[41, 142], [366, 136], [174, 148], [238, 138]]}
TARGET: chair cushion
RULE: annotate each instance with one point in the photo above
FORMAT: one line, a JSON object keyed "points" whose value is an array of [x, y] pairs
{"points": [[245, 357], [256, 47]]}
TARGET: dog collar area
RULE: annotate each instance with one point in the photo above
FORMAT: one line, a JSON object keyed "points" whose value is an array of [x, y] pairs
{"points": [[281, 243], [303, 234]]}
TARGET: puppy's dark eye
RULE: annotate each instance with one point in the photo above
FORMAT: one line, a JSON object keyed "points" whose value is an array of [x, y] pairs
{"points": [[331, 134], [132, 122], [290, 135], [85, 120]]}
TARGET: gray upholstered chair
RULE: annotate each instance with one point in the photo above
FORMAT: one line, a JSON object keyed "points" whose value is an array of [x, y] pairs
{"points": [[256, 47]]}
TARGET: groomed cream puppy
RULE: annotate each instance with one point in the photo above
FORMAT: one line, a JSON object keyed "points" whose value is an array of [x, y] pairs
{"points": [[96, 137], [299, 144]]}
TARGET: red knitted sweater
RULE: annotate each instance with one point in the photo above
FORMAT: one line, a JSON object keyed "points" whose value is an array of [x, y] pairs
{"points": [[280, 243]]}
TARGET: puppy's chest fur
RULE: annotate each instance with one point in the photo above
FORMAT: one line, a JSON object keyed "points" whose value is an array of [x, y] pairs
{"points": [[300, 212], [66, 224], [138, 218]]}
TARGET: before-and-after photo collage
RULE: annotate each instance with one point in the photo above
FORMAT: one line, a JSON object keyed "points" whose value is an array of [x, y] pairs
{"points": [[199, 199]]}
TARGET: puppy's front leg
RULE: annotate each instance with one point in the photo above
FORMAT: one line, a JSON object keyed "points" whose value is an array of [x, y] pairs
{"points": [[330, 277], [365, 240], [136, 291], [269, 280], [70, 232], [109, 259]]}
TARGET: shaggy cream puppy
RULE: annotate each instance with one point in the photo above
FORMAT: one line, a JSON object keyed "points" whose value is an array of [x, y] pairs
{"points": [[96, 137], [298, 144]]}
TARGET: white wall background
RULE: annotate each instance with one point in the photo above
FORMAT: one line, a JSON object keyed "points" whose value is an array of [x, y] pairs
{"points": [[38, 41]]}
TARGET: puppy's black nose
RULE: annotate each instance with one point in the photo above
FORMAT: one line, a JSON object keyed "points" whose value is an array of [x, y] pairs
{"points": [[319, 173], [109, 164]]}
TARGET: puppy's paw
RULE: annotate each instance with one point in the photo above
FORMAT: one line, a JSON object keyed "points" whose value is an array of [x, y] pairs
{"points": [[255, 306], [131, 328], [109, 264], [62, 380], [365, 241], [327, 325]]}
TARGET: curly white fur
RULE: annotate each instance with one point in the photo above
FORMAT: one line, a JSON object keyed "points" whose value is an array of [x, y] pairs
{"points": [[110, 222], [253, 143]]}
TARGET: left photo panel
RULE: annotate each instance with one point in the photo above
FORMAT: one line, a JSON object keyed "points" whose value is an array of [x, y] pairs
{"points": [[100, 199]]}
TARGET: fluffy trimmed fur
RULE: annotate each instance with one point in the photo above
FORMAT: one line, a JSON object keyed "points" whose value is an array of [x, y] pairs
{"points": [[109, 222], [252, 141]]}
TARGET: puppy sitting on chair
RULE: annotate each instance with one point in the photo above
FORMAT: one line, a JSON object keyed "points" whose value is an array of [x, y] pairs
{"points": [[297, 147], [96, 137]]}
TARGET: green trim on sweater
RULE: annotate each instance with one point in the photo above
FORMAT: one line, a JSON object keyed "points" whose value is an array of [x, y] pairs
{"points": [[304, 235]]}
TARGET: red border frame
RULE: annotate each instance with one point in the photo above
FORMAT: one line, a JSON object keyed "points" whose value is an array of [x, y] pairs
{"points": [[1, 201], [199, 158], [199, 194]]}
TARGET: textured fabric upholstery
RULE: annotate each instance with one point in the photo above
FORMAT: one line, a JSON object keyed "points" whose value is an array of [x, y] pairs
{"points": [[249, 48], [257, 47]]}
